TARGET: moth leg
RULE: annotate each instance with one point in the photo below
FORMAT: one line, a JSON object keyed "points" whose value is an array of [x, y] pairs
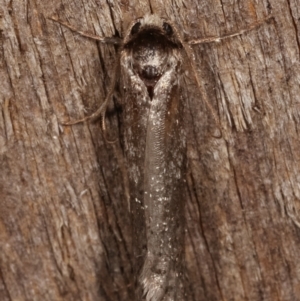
{"points": [[99, 113], [102, 109], [106, 40], [217, 39]]}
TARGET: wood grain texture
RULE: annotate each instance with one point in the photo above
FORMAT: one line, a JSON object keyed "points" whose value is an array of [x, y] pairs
{"points": [[64, 220]]}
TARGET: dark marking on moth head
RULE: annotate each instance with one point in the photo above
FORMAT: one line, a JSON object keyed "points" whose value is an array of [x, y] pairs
{"points": [[168, 29], [135, 28], [150, 75], [150, 91], [150, 72]]}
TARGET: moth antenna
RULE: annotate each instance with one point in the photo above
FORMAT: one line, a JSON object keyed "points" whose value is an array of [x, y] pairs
{"points": [[106, 40], [217, 39], [94, 116]]}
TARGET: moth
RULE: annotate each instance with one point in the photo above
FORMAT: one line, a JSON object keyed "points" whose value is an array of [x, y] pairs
{"points": [[150, 63]]}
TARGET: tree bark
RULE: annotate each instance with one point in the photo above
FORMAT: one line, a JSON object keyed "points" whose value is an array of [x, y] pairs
{"points": [[65, 224]]}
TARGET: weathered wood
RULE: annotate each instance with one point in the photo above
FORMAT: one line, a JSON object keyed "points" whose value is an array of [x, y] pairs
{"points": [[64, 221]]}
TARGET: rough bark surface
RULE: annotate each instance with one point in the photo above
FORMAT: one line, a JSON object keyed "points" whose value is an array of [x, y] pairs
{"points": [[64, 221]]}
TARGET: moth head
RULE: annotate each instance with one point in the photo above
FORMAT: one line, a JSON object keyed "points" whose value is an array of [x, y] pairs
{"points": [[149, 44]]}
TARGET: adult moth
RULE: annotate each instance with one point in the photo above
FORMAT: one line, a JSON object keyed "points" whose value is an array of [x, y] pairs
{"points": [[150, 62]]}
